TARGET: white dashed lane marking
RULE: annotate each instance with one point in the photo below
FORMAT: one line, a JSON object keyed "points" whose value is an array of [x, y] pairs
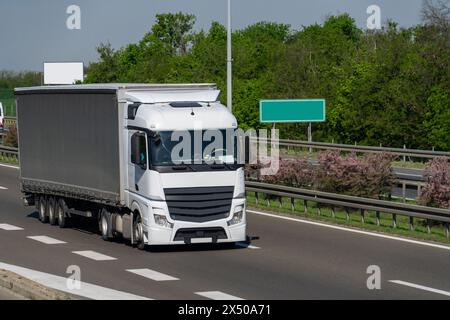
{"points": [[420, 287], [46, 240], [3, 188], [94, 255], [217, 295], [9, 227], [152, 274]]}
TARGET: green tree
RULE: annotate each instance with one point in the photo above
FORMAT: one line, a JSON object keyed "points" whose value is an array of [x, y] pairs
{"points": [[437, 119], [175, 30], [106, 69]]}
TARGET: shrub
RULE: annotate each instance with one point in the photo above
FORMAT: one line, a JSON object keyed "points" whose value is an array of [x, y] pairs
{"points": [[436, 192], [296, 173], [368, 176]]}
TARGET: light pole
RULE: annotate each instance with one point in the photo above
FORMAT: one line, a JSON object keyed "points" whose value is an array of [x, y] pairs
{"points": [[229, 63]]}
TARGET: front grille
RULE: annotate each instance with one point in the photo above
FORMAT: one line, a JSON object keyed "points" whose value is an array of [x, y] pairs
{"points": [[199, 204]]}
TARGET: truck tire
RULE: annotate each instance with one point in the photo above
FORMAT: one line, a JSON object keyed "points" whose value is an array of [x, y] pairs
{"points": [[138, 229], [61, 213], [105, 225], [51, 208], [43, 217]]}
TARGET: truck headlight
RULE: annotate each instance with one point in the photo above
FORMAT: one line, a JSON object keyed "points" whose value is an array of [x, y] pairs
{"points": [[161, 220], [238, 216]]}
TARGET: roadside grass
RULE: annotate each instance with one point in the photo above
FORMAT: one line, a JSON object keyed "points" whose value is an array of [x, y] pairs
{"points": [[8, 160], [354, 220], [409, 164]]}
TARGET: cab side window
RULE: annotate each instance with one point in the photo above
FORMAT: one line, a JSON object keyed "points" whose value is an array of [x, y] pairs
{"points": [[139, 150]]}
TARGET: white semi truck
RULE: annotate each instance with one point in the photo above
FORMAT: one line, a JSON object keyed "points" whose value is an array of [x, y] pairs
{"points": [[105, 151]]}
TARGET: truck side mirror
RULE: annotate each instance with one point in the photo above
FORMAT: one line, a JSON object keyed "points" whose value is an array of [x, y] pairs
{"points": [[247, 150]]}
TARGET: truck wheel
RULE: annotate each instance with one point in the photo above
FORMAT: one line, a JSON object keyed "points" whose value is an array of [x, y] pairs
{"points": [[51, 207], [105, 225], [43, 210], [139, 232], [61, 213]]}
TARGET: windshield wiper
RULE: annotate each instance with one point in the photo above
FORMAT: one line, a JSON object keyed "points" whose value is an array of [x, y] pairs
{"points": [[179, 168], [191, 167], [221, 166]]}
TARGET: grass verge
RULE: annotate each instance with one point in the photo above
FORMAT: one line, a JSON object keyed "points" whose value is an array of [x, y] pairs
{"points": [[8, 160]]}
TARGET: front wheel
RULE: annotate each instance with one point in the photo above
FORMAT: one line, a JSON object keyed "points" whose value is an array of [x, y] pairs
{"points": [[139, 233]]}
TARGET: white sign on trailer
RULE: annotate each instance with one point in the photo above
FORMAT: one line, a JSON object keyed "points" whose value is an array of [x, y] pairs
{"points": [[63, 72]]}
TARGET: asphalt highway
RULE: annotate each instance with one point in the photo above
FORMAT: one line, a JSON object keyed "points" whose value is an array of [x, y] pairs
{"points": [[289, 259]]}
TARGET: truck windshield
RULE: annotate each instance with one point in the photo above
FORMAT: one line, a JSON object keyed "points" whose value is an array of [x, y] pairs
{"points": [[168, 148]]}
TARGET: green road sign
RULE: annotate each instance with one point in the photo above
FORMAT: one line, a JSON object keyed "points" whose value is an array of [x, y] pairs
{"points": [[311, 110]]}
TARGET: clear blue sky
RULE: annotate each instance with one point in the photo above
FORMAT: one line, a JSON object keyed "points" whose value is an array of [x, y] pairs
{"points": [[32, 32]]}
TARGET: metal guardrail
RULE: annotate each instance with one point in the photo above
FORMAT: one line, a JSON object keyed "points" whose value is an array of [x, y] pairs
{"points": [[427, 154], [362, 204]]}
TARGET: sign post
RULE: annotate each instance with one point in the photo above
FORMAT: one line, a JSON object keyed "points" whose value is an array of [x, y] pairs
{"points": [[293, 111], [310, 135]]}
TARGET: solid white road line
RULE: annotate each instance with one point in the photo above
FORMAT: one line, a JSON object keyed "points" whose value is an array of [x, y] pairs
{"points": [[94, 255], [246, 245], [217, 295], [86, 290], [9, 166], [3, 188], [373, 234], [152, 274], [9, 227], [418, 286], [46, 240]]}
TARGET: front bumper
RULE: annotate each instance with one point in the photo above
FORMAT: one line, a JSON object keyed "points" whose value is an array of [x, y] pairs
{"points": [[164, 236]]}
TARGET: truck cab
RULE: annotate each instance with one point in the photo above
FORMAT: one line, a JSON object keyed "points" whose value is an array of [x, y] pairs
{"points": [[183, 173]]}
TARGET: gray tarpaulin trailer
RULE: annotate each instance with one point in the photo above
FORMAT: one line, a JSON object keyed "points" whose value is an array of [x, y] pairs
{"points": [[69, 142]]}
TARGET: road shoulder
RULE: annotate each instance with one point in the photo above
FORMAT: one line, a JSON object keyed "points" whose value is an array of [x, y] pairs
{"points": [[16, 287]]}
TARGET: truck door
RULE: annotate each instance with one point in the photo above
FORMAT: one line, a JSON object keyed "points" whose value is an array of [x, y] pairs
{"points": [[138, 161]]}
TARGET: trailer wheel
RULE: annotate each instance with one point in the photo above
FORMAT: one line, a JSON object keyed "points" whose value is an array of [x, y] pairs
{"points": [[139, 232], [51, 207], [43, 210], [61, 213], [105, 225]]}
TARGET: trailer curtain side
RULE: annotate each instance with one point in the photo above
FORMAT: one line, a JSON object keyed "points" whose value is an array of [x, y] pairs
{"points": [[69, 143]]}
